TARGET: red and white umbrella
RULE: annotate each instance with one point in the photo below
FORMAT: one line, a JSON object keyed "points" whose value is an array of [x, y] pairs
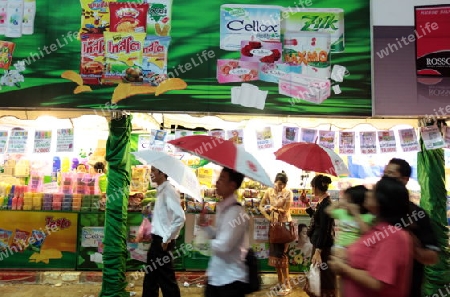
{"points": [[312, 157], [224, 153]]}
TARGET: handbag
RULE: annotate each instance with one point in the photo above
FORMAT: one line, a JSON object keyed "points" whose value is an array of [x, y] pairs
{"points": [[281, 232]]}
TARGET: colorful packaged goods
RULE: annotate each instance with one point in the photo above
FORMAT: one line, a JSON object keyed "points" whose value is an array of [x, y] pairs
{"points": [[236, 71], [128, 17], [5, 237], [37, 240], [123, 57], [271, 72], [248, 22], [311, 50], [159, 17], [95, 16], [92, 58], [154, 65], [20, 240], [6, 52], [259, 51], [324, 20]]}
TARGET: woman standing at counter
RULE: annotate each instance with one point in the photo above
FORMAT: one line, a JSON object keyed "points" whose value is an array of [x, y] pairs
{"points": [[321, 232], [275, 205]]}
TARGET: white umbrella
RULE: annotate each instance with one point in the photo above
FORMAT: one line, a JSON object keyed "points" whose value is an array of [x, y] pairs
{"points": [[182, 175]]}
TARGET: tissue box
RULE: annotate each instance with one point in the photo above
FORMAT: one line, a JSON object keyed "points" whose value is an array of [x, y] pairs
{"points": [[258, 51], [272, 72], [236, 71], [248, 22], [327, 20], [309, 49], [311, 89]]}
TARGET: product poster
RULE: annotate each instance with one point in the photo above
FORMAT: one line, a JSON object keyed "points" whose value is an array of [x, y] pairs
{"points": [[432, 137], [290, 135], [447, 137], [346, 142], [264, 138], [432, 27], [368, 142], [237, 136], [261, 229], [217, 133], [42, 141], [18, 141], [182, 133], [38, 240], [327, 139], [408, 140], [64, 140], [3, 141], [276, 58], [144, 141], [387, 141], [308, 135], [91, 233]]}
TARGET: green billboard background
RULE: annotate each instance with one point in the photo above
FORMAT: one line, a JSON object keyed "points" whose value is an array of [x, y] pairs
{"points": [[195, 28]]}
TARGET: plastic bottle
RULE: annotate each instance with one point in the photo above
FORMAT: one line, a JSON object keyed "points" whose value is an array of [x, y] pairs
{"points": [[10, 197], [3, 19], [29, 12], [65, 165], [56, 168], [14, 18], [75, 163]]}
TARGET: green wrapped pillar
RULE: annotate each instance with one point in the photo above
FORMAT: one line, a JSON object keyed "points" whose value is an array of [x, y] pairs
{"points": [[115, 238], [431, 176]]}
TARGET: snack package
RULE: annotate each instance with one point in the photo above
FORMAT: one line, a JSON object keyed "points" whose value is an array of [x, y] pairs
{"points": [[128, 17], [190, 207], [123, 57], [210, 207], [236, 71], [5, 236], [258, 51], [159, 17], [6, 51], [154, 65], [94, 16], [39, 238], [92, 58], [20, 240]]}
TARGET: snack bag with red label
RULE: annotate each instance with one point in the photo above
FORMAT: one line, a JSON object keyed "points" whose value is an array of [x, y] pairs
{"points": [[92, 58], [123, 57], [20, 240], [128, 17], [95, 16], [154, 64], [6, 51]]}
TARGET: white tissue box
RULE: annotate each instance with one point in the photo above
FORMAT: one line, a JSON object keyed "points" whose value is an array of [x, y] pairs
{"points": [[299, 86]]}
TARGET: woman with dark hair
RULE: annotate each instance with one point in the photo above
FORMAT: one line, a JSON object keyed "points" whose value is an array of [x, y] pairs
{"points": [[377, 263], [275, 205], [321, 232]]}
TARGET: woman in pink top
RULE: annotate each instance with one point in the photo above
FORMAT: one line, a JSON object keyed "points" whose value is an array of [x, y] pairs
{"points": [[380, 262]]}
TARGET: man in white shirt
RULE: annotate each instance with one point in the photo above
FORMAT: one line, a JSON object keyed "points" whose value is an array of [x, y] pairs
{"points": [[227, 272], [168, 219]]}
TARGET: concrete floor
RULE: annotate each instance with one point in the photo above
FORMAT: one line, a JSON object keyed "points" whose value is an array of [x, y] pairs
{"points": [[92, 290]]}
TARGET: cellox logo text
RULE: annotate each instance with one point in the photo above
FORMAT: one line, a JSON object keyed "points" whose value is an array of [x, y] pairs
{"points": [[253, 26]]}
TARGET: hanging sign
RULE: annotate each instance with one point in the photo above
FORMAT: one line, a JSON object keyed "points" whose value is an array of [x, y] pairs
{"points": [[64, 140], [346, 142], [432, 137], [264, 138], [387, 141], [18, 141], [3, 141], [289, 135], [42, 141], [368, 142], [327, 139], [308, 135], [408, 140]]}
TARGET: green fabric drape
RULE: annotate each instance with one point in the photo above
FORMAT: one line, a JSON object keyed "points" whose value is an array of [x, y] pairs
{"points": [[431, 176], [114, 242]]}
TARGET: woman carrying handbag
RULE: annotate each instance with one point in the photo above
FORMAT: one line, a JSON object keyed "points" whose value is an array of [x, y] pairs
{"points": [[321, 232], [275, 206]]}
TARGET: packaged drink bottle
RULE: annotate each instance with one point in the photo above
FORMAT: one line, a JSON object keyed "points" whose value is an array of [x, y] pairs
{"points": [[65, 165], [56, 168], [75, 163]]}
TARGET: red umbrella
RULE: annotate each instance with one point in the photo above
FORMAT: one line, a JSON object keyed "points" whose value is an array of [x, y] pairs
{"points": [[312, 157], [224, 153]]}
